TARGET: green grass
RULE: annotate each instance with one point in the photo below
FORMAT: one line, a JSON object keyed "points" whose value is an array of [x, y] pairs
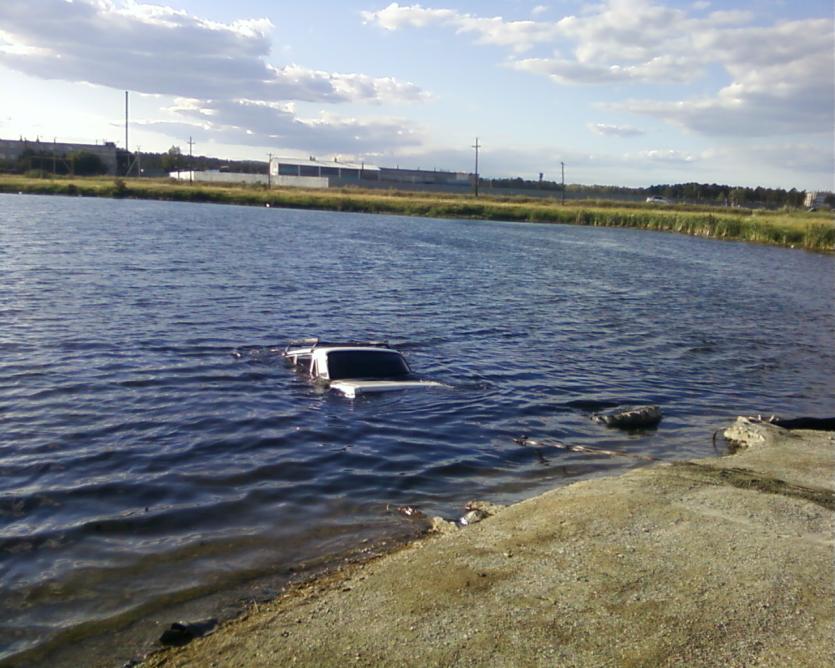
{"points": [[812, 231]]}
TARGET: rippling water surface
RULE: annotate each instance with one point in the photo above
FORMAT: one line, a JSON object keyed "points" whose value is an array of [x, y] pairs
{"points": [[143, 462]]}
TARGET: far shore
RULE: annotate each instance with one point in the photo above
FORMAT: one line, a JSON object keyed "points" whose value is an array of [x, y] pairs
{"points": [[794, 229]]}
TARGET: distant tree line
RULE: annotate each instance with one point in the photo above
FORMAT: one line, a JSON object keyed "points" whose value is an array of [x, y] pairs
{"points": [[84, 163], [681, 192], [733, 195], [80, 163], [173, 160]]}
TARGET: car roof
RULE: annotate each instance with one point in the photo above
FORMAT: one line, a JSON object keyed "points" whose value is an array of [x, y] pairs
{"points": [[338, 348]]}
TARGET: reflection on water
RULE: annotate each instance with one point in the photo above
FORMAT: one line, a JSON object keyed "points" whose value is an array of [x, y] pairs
{"points": [[142, 463]]}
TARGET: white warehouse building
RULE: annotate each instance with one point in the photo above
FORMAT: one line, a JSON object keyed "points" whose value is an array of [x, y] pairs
{"points": [[314, 173]]}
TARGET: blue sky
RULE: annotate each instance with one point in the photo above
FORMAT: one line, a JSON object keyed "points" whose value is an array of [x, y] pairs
{"points": [[625, 92]]}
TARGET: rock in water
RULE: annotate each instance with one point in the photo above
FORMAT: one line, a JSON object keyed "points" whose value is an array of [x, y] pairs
{"points": [[814, 423], [632, 417], [181, 633]]}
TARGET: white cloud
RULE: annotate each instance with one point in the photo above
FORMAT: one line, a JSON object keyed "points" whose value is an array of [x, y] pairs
{"points": [[800, 158], [539, 9], [618, 40], [226, 89], [156, 49], [781, 74], [666, 156], [782, 83], [516, 35], [395, 17], [568, 71], [258, 123], [615, 130]]}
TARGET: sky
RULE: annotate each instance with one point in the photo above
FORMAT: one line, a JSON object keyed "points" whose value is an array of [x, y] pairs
{"points": [[623, 92]]}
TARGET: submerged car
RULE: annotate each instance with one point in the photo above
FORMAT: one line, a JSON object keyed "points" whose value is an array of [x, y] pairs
{"points": [[354, 368]]}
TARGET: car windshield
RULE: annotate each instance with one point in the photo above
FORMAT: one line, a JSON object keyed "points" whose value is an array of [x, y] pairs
{"points": [[344, 364]]}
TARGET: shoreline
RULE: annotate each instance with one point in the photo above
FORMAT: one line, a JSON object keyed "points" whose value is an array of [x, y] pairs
{"points": [[808, 231], [717, 560]]}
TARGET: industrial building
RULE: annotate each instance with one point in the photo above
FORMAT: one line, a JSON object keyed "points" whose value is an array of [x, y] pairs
{"points": [[218, 176], [425, 177], [313, 173], [817, 199], [13, 149]]}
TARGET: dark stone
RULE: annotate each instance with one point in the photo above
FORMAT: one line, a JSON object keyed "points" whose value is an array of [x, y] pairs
{"points": [[816, 424], [182, 633], [633, 417]]}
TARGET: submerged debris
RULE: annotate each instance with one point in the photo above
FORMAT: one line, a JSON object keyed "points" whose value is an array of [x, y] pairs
{"points": [[409, 511], [256, 352], [529, 442]]}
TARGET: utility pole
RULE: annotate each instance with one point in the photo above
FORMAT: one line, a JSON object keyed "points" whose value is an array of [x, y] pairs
{"points": [[476, 146], [127, 150], [190, 163], [269, 172], [137, 160], [562, 166]]}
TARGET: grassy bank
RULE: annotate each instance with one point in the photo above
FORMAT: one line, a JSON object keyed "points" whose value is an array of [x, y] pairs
{"points": [[812, 231]]}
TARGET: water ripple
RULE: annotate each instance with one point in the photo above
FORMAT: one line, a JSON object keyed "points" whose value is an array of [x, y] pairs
{"points": [[154, 447]]}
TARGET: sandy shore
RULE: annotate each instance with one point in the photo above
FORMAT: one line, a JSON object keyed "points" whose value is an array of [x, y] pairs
{"points": [[723, 561]]}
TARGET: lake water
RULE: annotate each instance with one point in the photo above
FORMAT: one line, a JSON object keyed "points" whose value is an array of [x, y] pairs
{"points": [[154, 450]]}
